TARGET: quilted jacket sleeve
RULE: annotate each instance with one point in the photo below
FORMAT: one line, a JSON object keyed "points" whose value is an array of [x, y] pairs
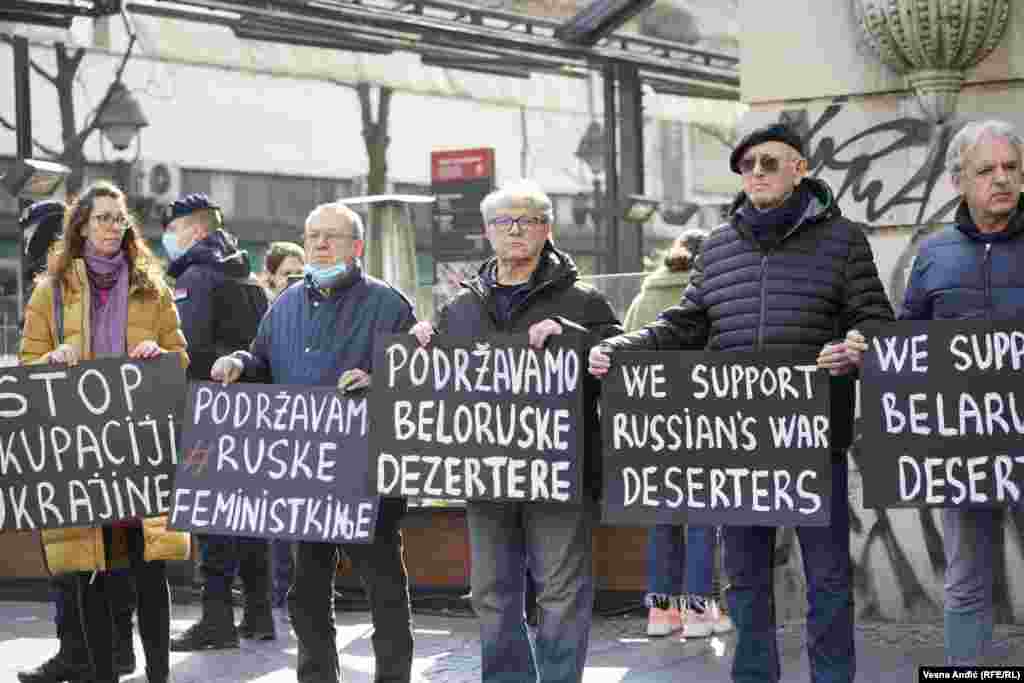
{"points": [[683, 326], [865, 299]]}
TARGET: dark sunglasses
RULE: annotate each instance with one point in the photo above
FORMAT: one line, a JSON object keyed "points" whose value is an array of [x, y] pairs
{"points": [[769, 164]]}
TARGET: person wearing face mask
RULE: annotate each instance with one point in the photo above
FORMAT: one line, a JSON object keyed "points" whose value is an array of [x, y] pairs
{"points": [[323, 333], [221, 304]]}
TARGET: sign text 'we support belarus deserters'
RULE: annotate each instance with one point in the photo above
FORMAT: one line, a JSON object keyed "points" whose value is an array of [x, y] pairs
{"points": [[275, 461], [88, 445], [715, 438], [943, 414], [492, 419]]}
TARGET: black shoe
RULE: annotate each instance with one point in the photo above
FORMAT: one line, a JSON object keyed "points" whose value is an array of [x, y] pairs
{"points": [[215, 631], [258, 628], [124, 659], [56, 669]]}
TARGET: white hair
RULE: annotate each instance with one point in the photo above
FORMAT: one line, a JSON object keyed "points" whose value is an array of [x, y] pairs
{"points": [[521, 194], [971, 134], [339, 208]]}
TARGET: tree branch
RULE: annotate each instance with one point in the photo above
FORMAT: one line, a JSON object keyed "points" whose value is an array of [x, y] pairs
{"points": [[74, 146], [42, 72], [42, 148], [384, 107]]}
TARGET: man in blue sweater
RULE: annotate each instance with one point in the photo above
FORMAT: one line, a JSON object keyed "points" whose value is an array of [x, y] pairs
{"points": [[317, 332]]}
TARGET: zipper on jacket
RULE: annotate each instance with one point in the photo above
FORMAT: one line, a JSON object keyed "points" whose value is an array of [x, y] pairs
{"points": [[987, 264], [764, 303]]}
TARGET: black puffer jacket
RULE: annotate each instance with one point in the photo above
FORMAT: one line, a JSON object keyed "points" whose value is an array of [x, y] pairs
{"points": [[793, 294], [555, 292]]}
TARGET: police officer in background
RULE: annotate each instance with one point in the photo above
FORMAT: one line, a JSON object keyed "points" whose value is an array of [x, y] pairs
{"points": [[220, 303]]}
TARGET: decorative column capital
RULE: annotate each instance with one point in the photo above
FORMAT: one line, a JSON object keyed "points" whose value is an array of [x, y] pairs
{"points": [[933, 42]]}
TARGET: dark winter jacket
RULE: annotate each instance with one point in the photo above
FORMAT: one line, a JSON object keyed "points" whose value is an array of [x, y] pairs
{"points": [[793, 292], [312, 337], [961, 274], [219, 301], [555, 292]]}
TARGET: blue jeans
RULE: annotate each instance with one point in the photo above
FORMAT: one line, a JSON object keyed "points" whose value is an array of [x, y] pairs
{"points": [[969, 542], [556, 543], [667, 554], [826, 555]]}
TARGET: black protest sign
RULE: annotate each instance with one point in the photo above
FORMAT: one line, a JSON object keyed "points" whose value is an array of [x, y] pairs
{"points": [[943, 414], [90, 444], [492, 419], [715, 438], [275, 461]]}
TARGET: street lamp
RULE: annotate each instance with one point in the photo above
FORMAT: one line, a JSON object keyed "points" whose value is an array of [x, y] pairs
{"points": [[121, 123], [122, 119]]}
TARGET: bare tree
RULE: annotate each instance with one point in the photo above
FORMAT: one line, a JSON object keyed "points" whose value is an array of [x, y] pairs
{"points": [[72, 152]]}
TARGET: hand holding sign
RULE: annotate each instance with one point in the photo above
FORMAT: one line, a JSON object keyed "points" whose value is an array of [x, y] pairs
{"points": [[539, 332], [226, 370], [839, 358], [423, 331], [600, 360], [353, 380], [65, 354], [145, 350]]}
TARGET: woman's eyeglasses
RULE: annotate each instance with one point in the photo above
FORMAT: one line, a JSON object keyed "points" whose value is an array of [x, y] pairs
{"points": [[118, 219]]}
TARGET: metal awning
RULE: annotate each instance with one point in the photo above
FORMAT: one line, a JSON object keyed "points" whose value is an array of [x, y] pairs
{"points": [[454, 34]]}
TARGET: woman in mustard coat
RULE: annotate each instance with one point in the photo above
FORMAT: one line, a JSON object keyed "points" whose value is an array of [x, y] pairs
{"points": [[114, 303]]}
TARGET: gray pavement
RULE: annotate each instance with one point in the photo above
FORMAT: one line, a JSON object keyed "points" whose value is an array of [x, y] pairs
{"points": [[447, 651]]}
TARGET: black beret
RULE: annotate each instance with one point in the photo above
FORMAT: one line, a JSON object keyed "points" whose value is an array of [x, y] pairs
{"points": [[186, 204], [777, 132]]}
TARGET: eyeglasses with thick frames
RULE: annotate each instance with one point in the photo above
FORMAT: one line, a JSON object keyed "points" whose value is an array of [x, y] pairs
{"points": [[524, 223], [117, 219], [769, 164]]}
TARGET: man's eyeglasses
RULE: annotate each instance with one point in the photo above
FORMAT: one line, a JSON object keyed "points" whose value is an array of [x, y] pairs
{"points": [[524, 223], [769, 164], [315, 236], [118, 219]]}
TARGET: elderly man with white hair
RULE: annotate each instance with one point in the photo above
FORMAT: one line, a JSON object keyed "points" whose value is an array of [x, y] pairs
{"points": [[324, 333], [529, 286], [974, 269]]}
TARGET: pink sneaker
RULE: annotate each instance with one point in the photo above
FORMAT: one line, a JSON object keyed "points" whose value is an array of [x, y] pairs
{"points": [[663, 622], [704, 617]]}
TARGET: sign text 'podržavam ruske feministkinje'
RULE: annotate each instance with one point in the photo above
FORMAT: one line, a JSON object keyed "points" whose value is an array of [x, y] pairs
{"points": [[488, 419], [715, 438], [90, 444], [275, 461], [943, 414]]}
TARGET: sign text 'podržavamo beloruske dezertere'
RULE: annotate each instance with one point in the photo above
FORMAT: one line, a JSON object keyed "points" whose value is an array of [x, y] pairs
{"points": [[943, 414], [715, 438], [488, 419], [90, 444], [275, 461]]}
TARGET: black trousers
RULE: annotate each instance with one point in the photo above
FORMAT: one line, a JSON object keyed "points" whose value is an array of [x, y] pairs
{"points": [[381, 569], [96, 595], [222, 557]]}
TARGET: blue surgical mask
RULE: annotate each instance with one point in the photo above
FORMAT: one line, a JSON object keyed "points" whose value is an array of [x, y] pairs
{"points": [[170, 243], [325, 277]]}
